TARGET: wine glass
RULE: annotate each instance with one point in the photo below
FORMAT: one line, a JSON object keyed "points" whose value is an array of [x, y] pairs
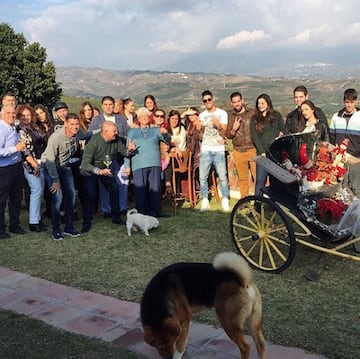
{"points": [[107, 161]]}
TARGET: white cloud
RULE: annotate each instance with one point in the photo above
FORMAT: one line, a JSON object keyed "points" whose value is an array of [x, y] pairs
{"points": [[124, 34], [242, 38], [326, 36], [171, 46], [309, 36]]}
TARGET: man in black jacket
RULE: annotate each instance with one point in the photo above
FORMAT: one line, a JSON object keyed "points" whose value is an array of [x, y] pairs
{"points": [[295, 121]]}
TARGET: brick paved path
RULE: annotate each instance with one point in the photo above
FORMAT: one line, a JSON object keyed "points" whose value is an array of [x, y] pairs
{"points": [[113, 320]]}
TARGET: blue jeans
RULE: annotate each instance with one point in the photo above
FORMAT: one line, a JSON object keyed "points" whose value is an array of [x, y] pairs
{"points": [[261, 177], [90, 185], [68, 190], [207, 159], [123, 192], [104, 199], [36, 184], [123, 184], [147, 189]]}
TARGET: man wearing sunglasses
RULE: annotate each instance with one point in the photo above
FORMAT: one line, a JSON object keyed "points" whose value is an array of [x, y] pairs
{"points": [[214, 121]]}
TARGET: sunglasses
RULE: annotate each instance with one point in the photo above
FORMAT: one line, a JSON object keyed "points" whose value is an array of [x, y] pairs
{"points": [[205, 100], [159, 115]]}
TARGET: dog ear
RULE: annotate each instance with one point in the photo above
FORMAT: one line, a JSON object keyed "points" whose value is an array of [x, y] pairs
{"points": [[149, 335], [172, 327]]}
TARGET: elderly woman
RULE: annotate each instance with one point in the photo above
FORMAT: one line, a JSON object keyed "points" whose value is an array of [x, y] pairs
{"points": [[145, 163]]}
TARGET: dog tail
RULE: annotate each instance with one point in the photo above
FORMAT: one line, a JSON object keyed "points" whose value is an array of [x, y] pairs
{"points": [[235, 263], [131, 211]]}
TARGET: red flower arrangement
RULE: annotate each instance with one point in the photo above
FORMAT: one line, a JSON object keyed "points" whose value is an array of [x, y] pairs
{"points": [[329, 210]]}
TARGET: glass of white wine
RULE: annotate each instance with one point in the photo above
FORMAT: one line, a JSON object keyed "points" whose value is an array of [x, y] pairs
{"points": [[107, 161]]}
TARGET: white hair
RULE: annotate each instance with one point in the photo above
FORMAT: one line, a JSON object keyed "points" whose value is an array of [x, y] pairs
{"points": [[143, 110]]}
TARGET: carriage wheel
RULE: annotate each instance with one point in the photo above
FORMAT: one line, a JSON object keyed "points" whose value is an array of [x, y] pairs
{"points": [[263, 234]]}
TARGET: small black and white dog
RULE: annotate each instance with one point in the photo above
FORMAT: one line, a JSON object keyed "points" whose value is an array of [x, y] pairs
{"points": [[135, 220]]}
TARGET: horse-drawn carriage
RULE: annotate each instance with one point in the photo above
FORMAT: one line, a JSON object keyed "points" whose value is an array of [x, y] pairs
{"points": [[306, 202]]}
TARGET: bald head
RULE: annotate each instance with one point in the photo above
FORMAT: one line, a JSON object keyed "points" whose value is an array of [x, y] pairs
{"points": [[108, 130]]}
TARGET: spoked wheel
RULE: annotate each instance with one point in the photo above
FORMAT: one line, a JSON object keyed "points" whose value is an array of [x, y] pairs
{"points": [[263, 234]]}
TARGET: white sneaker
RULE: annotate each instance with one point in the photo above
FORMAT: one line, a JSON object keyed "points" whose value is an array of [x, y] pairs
{"points": [[205, 205], [225, 204]]}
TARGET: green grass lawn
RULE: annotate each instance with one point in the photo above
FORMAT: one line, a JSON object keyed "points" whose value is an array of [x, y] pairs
{"points": [[24, 338], [322, 317]]}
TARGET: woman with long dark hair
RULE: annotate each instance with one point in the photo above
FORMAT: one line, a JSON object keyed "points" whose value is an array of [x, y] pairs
{"points": [[86, 114], [35, 146], [266, 125], [44, 120], [129, 111], [313, 123], [151, 105], [45, 123]]}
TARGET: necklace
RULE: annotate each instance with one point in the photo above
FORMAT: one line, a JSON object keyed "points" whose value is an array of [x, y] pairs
{"points": [[144, 132]]}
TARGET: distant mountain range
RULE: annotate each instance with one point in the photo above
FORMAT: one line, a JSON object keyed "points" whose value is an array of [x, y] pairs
{"points": [[318, 63], [326, 84], [315, 71]]}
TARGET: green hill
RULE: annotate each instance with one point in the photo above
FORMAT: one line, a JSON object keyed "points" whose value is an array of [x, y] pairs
{"points": [[179, 90]]}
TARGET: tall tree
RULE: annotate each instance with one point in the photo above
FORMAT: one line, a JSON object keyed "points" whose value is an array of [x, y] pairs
{"points": [[24, 70]]}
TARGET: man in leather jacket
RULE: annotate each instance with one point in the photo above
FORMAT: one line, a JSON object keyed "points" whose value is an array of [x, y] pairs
{"points": [[295, 122], [238, 131]]}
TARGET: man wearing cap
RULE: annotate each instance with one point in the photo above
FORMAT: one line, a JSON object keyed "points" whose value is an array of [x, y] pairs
{"points": [[238, 131], [61, 110]]}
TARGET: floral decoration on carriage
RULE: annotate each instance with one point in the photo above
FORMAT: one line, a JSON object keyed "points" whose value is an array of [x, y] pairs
{"points": [[319, 168]]}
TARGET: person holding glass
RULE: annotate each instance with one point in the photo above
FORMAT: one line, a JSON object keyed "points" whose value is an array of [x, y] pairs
{"points": [[35, 146], [11, 172], [98, 156], [108, 114]]}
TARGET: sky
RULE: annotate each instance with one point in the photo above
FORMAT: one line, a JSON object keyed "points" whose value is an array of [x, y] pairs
{"points": [[235, 36]]}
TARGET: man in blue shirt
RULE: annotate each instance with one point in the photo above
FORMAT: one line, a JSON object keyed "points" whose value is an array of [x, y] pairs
{"points": [[11, 172]]}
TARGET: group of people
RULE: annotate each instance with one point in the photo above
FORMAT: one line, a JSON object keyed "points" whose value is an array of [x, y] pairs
{"points": [[95, 156]]}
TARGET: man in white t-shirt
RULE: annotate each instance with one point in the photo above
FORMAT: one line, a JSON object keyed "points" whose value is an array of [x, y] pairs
{"points": [[214, 121]]}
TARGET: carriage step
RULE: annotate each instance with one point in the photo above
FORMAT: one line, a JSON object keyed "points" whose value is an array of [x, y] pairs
{"points": [[275, 170]]}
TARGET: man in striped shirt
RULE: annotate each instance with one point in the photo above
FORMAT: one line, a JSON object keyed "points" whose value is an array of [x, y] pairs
{"points": [[345, 125]]}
